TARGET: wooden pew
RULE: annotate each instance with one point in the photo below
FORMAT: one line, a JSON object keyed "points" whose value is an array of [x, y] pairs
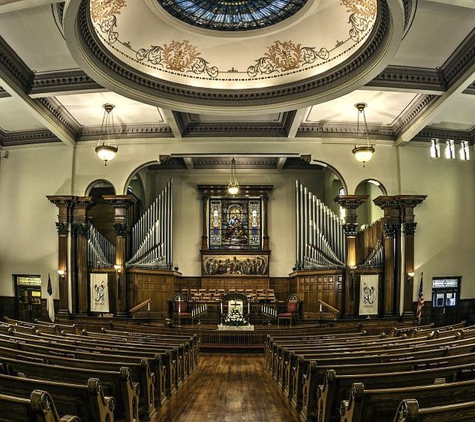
{"points": [[410, 411], [87, 401], [300, 367], [165, 363], [116, 383], [38, 408], [139, 371], [313, 388], [365, 405], [337, 386]]}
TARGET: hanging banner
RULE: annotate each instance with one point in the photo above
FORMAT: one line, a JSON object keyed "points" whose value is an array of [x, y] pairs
{"points": [[369, 294], [99, 293]]}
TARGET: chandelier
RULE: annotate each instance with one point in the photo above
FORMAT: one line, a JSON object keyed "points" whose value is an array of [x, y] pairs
{"points": [[107, 149], [233, 185], [363, 152]]}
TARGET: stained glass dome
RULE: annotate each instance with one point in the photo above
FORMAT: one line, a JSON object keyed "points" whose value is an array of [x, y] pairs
{"points": [[232, 15]]}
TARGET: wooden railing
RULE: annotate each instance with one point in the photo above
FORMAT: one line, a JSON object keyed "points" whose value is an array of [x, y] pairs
{"points": [[329, 307], [141, 305]]}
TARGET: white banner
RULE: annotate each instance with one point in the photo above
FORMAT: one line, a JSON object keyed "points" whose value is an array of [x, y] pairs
{"points": [[369, 294], [99, 293]]}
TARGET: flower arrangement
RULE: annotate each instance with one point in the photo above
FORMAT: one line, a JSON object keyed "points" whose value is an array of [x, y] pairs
{"points": [[235, 318]]}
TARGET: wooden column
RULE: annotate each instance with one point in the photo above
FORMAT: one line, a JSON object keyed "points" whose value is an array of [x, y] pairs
{"points": [[121, 205], [350, 203], [265, 234], [204, 236], [64, 204], [392, 255], [80, 235], [408, 203]]}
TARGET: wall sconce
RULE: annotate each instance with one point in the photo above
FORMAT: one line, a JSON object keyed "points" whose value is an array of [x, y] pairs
{"points": [[117, 268], [411, 274], [62, 274]]}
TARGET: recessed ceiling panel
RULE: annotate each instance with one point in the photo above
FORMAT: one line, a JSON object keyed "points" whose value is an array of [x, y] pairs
{"points": [[87, 109], [383, 108], [15, 116]]}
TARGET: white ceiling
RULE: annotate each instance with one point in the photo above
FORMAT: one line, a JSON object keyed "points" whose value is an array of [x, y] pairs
{"points": [[31, 29]]}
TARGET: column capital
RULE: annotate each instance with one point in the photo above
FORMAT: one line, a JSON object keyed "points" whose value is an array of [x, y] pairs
{"points": [[351, 202]]}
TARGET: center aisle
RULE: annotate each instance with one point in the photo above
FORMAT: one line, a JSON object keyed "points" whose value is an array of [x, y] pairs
{"points": [[228, 387]]}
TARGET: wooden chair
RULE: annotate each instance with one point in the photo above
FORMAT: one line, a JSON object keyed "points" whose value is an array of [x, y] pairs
{"points": [[291, 312], [181, 311]]}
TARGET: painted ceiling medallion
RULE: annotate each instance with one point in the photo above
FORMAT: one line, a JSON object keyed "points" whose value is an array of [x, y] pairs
{"points": [[232, 15], [324, 49]]}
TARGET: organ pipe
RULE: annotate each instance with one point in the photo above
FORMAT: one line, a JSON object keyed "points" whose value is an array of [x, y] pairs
{"points": [[152, 234], [320, 235]]}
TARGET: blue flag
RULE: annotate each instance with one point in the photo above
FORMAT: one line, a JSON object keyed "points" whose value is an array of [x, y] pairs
{"points": [[50, 300]]}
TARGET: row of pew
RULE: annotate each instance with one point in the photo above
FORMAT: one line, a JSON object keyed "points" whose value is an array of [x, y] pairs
{"points": [[420, 374], [102, 376]]}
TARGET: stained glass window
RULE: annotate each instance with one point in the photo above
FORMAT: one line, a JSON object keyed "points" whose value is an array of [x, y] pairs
{"points": [[235, 223], [232, 15]]}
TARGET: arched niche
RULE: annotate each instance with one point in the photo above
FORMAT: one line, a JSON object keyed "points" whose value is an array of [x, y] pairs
{"points": [[368, 212], [101, 214]]}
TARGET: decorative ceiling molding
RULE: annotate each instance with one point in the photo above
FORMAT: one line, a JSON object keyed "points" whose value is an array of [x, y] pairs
{"points": [[13, 68], [407, 78], [428, 134], [249, 130], [90, 133], [344, 131], [31, 137], [461, 61], [65, 82]]}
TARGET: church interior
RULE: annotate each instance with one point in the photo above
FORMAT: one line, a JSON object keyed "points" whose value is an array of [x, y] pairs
{"points": [[195, 189]]}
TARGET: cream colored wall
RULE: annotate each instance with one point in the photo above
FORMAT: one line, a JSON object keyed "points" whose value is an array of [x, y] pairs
{"points": [[444, 240]]}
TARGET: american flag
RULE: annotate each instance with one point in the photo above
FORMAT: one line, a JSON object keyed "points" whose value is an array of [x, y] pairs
{"points": [[420, 301]]}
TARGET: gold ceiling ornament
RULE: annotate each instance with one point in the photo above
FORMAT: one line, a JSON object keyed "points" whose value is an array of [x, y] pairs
{"points": [[233, 185], [363, 151], [107, 149]]}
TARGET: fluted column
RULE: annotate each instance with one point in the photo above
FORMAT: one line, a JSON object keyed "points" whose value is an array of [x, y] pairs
{"points": [[121, 205], [350, 203], [205, 219], [64, 204], [392, 253], [80, 235], [408, 203]]}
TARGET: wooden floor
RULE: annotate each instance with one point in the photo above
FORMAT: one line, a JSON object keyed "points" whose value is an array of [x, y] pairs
{"points": [[228, 387]]}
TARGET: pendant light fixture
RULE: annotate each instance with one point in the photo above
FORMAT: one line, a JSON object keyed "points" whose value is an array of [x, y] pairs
{"points": [[107, 149], [363, 152], [233, 185]]}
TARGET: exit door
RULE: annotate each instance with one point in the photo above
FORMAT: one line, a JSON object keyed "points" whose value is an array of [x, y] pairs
{"points": [[445, 300], [28, 297]]}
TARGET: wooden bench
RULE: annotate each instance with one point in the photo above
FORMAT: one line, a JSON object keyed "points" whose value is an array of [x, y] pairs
{"points": [[139, 371], [364, 405], [164, 363], [410, 411], [87, 401], [116, 383], [337, 386], [316, 378], [39, 407], [300, 371]]}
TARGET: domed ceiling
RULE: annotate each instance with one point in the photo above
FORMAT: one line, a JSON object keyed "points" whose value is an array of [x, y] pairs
{"points": [[190, 54]]}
